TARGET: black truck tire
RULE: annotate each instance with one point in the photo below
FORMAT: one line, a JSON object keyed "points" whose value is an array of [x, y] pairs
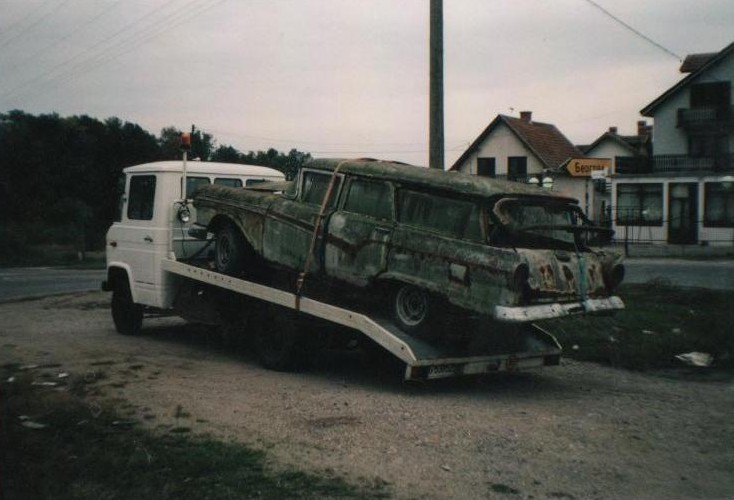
{"points": [[127, 315]]}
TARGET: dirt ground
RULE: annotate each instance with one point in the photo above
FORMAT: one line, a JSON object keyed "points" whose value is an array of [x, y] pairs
{"points": [[576, 431]]}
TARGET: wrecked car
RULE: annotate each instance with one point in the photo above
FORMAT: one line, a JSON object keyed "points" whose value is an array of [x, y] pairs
{"points": [[421, 238]]}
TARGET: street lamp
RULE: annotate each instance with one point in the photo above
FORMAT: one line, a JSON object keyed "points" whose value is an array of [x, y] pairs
{"points": [[533, 181], [547, 182]]}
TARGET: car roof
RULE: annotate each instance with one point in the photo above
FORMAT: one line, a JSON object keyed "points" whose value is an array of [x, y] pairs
{"points": [[206, 168], [452, 181]]}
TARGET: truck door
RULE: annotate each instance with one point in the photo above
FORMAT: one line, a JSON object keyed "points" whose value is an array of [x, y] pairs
{"points": [[359, 233], [141, 238]]}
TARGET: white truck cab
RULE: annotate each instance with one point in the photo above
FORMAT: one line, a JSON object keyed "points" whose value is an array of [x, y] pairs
{"points": [[152, 224]]}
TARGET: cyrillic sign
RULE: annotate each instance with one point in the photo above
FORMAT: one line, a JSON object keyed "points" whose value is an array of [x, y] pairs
{"points": [[582, 167]]}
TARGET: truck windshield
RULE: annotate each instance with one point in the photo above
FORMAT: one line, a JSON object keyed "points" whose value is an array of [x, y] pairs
{"points": [[543, 223]]}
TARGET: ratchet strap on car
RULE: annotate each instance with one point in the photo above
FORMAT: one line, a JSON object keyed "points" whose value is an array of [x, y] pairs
{"points": [[316, 230]]}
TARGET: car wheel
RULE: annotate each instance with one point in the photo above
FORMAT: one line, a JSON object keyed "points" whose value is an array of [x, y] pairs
{"points": [[127, 315], [412, 308], [229, 251]]}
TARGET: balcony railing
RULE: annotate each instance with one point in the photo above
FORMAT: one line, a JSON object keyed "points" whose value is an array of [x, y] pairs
{"points": [[675, 164], [703, 117]]}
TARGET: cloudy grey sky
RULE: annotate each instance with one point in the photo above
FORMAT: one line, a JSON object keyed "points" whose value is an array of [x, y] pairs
{"points": [[348, 77]]}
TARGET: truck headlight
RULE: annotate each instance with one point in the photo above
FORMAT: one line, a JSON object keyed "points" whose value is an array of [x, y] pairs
{"points": [[184, 214]]}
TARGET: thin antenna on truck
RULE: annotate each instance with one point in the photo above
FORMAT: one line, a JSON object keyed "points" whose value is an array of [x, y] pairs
{"points": [[185, 147]]}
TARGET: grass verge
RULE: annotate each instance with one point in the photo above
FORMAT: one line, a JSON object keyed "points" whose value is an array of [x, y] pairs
{"points": [[55, 444], [660, 321]]}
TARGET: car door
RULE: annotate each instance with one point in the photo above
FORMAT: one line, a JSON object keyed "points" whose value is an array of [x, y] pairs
{"points": [[289, 226], [359, 232]]}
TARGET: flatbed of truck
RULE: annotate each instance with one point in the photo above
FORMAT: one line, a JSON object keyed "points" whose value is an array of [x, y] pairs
{"points": [[425, 358]]}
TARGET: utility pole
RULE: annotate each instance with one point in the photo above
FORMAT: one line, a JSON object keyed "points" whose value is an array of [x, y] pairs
{"points": [[435, 109]]}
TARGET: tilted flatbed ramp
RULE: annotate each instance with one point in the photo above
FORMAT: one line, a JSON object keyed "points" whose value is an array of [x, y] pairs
{"points": [[531, 346]]}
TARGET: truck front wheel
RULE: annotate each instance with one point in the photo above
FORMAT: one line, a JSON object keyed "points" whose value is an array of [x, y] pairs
{"points": [[126, 314]]}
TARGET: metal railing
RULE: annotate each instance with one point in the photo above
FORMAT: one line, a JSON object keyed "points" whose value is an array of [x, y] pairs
{"points": [[697, 117], [672, 164]]}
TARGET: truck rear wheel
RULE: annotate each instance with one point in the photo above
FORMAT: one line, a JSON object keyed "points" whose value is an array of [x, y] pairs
{"points": [[282, 344], [412, 308], [126, 314], [229, 252]]}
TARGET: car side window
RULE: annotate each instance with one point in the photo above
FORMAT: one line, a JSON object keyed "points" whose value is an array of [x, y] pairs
{"points": [[142, 195], [370, 198], [448, 216], [315, 185]]}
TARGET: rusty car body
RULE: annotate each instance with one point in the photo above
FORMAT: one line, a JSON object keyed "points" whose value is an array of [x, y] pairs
{"points": [[422, 237]]}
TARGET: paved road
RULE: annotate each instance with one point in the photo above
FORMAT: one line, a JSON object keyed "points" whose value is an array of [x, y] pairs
{"points": [[713, 274], [29, 282]]}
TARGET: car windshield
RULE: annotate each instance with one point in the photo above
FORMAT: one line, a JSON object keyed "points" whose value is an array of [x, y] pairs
{"points": [[540, 223]]}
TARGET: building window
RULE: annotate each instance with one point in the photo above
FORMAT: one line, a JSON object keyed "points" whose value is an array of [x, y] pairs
{"points": [[718, 205], [517, 168], [486, 167], [716, 95], [639, 204]]}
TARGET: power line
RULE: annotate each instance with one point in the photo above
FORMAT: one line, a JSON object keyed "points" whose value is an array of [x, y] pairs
{"points": [[76, 30], [99, 56], [635, 31], [33, 24]]}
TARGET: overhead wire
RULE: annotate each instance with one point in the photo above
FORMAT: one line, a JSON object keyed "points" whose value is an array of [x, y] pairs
{"points": [[74, 31], [64, 64], [67, 71], [33, 24], [634, 30]]}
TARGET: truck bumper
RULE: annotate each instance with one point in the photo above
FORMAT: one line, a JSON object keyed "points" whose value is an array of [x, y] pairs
{"points": [[557, 310]]}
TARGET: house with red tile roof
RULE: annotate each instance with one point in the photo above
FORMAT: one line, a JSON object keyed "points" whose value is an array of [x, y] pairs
{"points": [[524, 150]]}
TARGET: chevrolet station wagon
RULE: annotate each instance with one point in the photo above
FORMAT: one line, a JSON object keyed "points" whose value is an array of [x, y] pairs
{"points": [[420, 238]]}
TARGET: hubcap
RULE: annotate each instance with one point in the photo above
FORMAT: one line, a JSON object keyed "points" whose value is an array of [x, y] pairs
{"points": [[412, 305]]}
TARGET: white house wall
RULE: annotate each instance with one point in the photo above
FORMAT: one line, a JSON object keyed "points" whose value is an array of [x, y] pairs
{"points": [[715, 236], [501, 144], [609, 149]]}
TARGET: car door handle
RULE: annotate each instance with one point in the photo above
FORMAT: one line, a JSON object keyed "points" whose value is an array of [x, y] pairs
{"points": [[383, 230], [148, 239]]}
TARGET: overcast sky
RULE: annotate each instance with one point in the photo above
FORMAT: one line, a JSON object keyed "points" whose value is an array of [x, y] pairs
{"points": [[349, 77]]}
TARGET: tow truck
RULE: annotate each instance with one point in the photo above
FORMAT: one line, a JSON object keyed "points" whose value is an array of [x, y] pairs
{"points": [[155, 266]]}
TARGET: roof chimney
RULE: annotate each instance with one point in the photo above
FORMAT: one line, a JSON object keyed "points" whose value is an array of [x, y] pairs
{"points": [[613, 130], [526, 116], [643, 129]]}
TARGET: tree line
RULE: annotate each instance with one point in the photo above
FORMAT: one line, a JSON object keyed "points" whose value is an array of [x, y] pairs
{"points": [[59, 176]]}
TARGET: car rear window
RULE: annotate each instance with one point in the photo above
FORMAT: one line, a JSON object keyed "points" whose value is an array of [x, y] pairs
{"points": [[448, 216]]}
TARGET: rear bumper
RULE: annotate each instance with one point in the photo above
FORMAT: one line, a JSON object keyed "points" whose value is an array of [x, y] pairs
{"points": [[557, 310]]}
